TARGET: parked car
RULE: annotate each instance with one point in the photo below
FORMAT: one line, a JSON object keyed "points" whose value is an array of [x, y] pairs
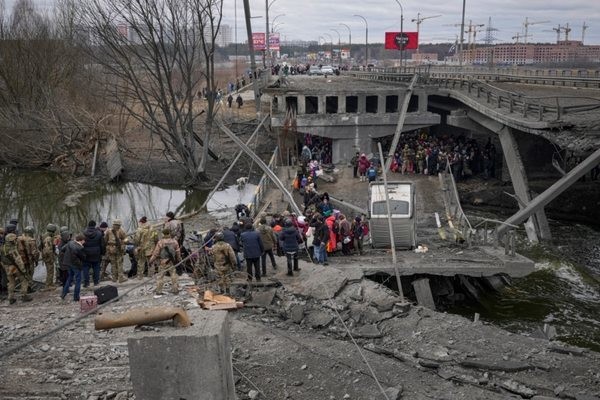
{"points": [[314, 70], [327, 70]]}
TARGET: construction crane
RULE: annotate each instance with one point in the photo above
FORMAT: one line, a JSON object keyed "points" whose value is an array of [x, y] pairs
{"points": [[517, 37], [419, 20], [583, 29], [557, 30], [526, 24], [567, 31], [473, 32]]}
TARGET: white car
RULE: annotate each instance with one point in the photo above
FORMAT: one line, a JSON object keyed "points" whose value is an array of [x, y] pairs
{"points": [[327, 70], [314, 70]]}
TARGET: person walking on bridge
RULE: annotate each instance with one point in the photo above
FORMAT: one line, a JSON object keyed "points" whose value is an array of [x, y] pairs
{"points": [[49, 254], [168, 251], [14, 267], [115, 248]]}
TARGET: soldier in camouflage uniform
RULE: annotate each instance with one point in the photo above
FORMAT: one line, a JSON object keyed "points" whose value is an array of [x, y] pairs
{"points": [[28, 250], [145, 241], [14, 267], [49, 254], [115, 249], [225, 261], [167, 250]]}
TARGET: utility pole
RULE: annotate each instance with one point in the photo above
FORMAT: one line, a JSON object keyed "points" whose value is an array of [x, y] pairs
{"points": [[462, 34], [252, 57], [349, 41]]}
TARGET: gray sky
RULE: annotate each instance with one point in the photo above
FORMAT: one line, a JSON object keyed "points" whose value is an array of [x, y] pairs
{"points": [[310, 19]]}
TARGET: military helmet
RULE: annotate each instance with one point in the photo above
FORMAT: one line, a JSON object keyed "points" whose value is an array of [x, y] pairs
{"points": [[11, 237], [117, 222], [51, 228], [219, 236], [287, 223], [29, 229], [166, 232], [64, 229]]}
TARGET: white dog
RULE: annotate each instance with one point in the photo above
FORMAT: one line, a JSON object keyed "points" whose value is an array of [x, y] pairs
{"points": [[241, 182]]}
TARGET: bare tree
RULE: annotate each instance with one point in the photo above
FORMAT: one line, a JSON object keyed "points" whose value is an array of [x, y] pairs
{"points": [[156, 55], [43, 109]]}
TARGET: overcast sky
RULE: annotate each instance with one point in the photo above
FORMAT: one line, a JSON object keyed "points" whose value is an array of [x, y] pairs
{"points": [[311, 19]]}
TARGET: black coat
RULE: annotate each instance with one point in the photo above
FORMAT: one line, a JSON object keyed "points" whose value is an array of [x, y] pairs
{"points": [[253, 245], [94, 244], [74, 255], [231, 238], [289, 238]]}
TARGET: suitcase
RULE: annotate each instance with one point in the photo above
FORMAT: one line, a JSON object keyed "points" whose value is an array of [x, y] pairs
{"points": [[106, 293], [87, 303]]}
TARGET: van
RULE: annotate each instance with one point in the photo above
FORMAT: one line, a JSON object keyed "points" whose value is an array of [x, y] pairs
{"points": [[402, 210]]}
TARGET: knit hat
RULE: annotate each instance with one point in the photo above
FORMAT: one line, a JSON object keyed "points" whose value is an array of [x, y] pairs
{"points": [[103, 225], [91, 224], [143, 220]]}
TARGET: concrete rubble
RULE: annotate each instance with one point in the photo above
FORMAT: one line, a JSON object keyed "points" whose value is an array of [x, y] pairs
{"points": [[295, 341]]}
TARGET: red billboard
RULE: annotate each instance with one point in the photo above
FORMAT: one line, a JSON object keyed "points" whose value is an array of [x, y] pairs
{"points": [[404, 41], [258, 41]]}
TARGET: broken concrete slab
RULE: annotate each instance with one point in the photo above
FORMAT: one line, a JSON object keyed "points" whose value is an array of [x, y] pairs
{"points": [[318, 319], [377, 295], [518, 388], [559, 348], [368, 331], [496, 365], [423, 293], [394, 393], [296, 313], [366, 314], [325, 284], [262, 298]]}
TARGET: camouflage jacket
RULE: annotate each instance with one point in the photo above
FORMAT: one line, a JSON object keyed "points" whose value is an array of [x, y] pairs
{"points": [[164, 242], [115, 241], [28, 249], [48, 248], [223, 255], [10, 257], [145, 239]]}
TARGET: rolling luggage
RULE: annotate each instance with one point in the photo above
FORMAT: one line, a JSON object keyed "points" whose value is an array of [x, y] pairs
{"points": [[106, 293]]}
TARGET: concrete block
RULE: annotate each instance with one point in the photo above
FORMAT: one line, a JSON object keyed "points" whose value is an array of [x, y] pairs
{"points": [[184, 363], [423, 292]]}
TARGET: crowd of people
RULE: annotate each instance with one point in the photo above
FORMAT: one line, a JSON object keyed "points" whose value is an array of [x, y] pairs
{"points": [[72, 259]]}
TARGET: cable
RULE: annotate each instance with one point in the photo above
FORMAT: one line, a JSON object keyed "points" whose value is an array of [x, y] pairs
{"points": [[250, 381]]}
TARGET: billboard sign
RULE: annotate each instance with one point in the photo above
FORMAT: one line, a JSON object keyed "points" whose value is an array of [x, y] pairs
{"points": [[258, 41], [404, 41], [274, 41]]}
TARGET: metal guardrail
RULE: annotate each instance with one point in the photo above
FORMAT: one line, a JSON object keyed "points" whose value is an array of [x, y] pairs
{"points": [[526, 106], [263, 185]]}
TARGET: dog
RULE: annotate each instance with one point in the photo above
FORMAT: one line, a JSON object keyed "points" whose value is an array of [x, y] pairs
{"points": [[241, 182]]}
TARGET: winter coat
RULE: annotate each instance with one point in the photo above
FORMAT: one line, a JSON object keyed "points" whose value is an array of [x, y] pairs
{"points": [[267, 236], [289, 239], [94, 244], [252, 243], [363, 164], [230, 238], [74, 255]]}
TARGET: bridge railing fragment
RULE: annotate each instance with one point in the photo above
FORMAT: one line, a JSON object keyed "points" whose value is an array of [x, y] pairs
{"points": [[263, 186]]}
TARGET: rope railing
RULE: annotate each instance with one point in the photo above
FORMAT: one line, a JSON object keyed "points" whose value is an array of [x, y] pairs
{"points": [[263, 185]]}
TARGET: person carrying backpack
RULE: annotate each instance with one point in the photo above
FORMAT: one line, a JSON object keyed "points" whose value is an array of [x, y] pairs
{"points": [[167, 250], [358, 234], [372, 173]]}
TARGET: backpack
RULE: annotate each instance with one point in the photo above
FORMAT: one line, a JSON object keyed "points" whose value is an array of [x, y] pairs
{"points": [[371, 173], [358, 231], [336, 227]]}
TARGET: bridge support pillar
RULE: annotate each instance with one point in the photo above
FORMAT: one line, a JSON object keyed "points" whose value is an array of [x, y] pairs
{"points": [[423, 293], [537, 224], [422, 95], [322, 103], [301, 105]]}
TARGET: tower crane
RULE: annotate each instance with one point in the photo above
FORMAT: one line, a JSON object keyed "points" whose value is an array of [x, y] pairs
{"points": [[419, 20], [526, 24], [472, 31], [583, 29], [567, 31], [557, 30], [518, 36]]}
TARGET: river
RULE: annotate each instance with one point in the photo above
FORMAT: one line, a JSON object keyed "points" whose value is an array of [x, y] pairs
{"points": [[39, 197]]}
